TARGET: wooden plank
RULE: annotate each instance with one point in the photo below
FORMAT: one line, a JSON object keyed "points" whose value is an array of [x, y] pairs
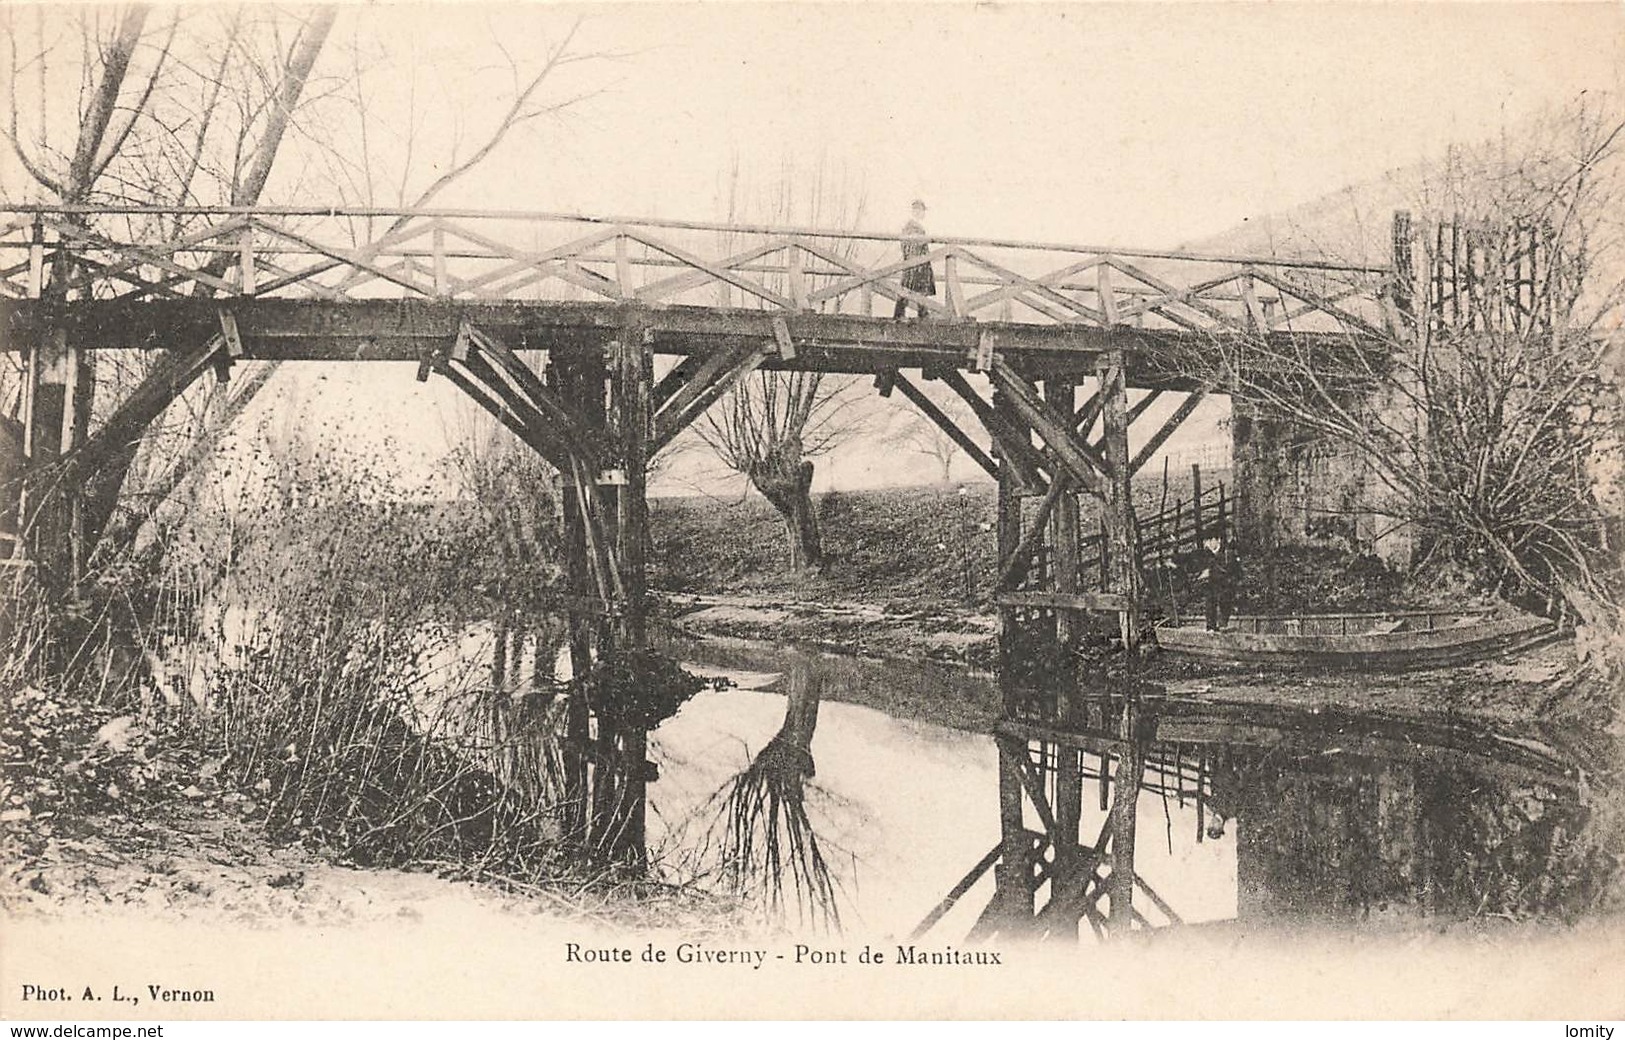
{"points": [[1035, 287], [672, 420], [1025, 463], [1059, 436], [1173, 294], [1120, 571], [1013, 568], [247, 275], [879, 277], [555, 455], [965, 884], [946, 424], [796, 276], [1105, 602], [781, 336], [1257, 321], [656, 291], [1142, 404], [623, 268], [1008, 290], [1084, 418], [569, 428], [1065, 572], [358, 259], [956, 292], [542, 261], [679, 376], [699, 263], [1033, 785], [984, 351], [1107, 293], [1320, 302], [228, 332], [168, 379]]}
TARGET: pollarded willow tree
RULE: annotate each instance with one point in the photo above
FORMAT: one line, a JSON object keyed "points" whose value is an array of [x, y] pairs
{"points": [[1493, 424], [772, 425]]}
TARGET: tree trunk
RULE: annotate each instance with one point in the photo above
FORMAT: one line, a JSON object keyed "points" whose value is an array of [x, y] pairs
{"points": [[102, 490], [785, 480], [789, 753]]}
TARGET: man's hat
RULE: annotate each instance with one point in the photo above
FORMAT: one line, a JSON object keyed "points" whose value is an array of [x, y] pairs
{"points": [[918, 204]]}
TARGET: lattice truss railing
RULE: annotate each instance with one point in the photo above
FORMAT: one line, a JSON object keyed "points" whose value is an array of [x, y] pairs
{"points": [[342, 254]]}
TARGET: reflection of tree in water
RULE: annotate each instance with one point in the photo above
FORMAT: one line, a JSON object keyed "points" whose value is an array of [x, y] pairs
{"points": [[1339, 836], [765, 838]]}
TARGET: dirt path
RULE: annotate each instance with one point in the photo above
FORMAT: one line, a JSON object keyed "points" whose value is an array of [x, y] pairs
{"points": [[933, 631]]}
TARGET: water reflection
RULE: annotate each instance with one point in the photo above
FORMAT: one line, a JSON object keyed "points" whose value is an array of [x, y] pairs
{"points": [[766, 838], [1334, 835], [1243, 814]]}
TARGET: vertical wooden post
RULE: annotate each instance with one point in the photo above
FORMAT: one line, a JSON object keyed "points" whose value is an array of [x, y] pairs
{"points": [[1107, 294], [577, 379], [1013, 892], [437, 239], [1125, 814], [248, 274], [956, 292], [1117, 502], [1063, 529], [632, 385], [623, 268], [1065, 577], [53, 371]]}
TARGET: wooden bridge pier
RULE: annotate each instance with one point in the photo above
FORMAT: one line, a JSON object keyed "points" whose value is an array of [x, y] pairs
{"points": [[1051, 875]]}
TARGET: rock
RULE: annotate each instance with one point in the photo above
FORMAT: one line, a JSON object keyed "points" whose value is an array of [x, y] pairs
{"points": [[117, 733]]}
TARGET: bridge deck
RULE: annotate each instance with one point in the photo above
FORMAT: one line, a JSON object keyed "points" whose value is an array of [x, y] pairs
{"points": [[276, 267], [410, 329]]}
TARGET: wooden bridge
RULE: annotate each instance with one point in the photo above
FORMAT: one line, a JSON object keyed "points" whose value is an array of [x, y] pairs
{"points": [[598, 340]]}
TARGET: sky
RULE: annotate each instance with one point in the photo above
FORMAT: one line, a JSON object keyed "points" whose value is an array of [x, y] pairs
{"points": [[1140, 125]]}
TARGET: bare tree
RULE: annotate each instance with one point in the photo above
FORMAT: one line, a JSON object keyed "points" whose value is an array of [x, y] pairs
{"points": [[914, 432], [196, 111], [1494, 429], [772, 426]]}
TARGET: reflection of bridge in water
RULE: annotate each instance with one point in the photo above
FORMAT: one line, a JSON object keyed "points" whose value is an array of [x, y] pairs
{"points": [[1334, 814], [598, 341], [1267, 815]]}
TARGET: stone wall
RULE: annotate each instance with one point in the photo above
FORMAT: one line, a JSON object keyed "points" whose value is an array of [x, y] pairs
{"points": [[1296, 488]]}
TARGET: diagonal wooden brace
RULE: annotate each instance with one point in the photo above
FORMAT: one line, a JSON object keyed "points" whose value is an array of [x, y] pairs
{"points": [[679, 376], [1183, 412], [169, 378], [569, 429], [720, 373], [1012, 570], [1014, 448], [945, 424], [555, 454], [1077, 455]]}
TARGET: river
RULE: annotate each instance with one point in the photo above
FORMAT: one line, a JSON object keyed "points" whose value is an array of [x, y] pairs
{"points": [[1339, 820]]}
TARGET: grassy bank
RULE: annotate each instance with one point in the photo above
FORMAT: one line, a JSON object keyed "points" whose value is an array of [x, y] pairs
{"points": [[909, 548]]}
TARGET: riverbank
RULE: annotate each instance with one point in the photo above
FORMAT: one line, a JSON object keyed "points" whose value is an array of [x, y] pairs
{"points": [[110, 813]]}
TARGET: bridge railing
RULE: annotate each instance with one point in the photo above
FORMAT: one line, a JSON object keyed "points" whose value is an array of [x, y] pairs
{"points": [[360, 253]]}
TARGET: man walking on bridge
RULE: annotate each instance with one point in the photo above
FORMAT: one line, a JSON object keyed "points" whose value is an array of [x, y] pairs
{"points": [[917, 279]]}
